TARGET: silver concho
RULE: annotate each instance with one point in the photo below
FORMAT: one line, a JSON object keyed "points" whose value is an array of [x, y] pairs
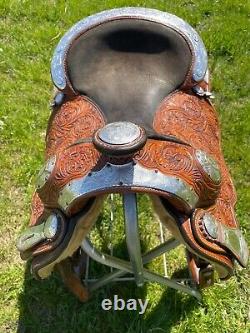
{"points": [[51, 226], [210, 225], [209, 165], [119, 133], [45, 172]]}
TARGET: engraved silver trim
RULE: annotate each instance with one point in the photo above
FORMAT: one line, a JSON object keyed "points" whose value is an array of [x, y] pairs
{"points": [[111, 177], [36, 234], [209, 165], [45, 172], [200, 55], [235, 241], [228, 237]]}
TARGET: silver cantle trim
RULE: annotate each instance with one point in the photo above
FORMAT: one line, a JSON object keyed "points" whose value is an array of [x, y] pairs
{"points": [[169, 20]]}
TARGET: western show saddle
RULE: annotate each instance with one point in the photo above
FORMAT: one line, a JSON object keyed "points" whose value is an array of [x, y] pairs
{"points": [[132, 113]]}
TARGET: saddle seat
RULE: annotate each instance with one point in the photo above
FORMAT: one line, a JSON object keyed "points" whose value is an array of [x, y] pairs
{"points": [[132, 114]]}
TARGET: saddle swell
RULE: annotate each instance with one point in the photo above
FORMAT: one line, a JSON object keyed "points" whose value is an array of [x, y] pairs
{"points": [[132, 115]]}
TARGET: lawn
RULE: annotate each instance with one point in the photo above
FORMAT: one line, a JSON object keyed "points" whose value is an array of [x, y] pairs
{"points": [[29, 31]]}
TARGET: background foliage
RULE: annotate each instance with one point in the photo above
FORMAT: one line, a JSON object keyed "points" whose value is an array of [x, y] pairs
{"points": [[29, 31]]}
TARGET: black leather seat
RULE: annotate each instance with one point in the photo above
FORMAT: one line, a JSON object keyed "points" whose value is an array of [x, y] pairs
{"points": [[127, 67]]}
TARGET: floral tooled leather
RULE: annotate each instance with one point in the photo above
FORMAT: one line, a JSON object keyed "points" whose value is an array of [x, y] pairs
{"points": [[71, 163], [179, 160], [76, 119], [195, 121], [37, 209]]}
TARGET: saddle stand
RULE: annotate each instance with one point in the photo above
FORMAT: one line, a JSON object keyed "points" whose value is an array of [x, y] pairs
{"points": [[137, 261], [132, 114]]}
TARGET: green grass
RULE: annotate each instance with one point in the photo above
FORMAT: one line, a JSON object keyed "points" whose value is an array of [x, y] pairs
{"points": [[29, 31]]}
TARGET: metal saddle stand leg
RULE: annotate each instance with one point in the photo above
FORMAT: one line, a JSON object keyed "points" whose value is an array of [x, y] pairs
{"points": [[135, 266], [132, 113]]}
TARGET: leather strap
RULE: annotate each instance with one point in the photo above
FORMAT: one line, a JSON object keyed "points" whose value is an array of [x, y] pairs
{"points": [[73, 279]]}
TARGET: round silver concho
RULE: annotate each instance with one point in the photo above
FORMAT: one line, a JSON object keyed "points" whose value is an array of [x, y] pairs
{"points": [[119, 133], [210, 225], [51, 226]]}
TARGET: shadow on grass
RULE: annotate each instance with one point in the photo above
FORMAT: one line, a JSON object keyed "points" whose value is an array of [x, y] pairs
{"points": [[47, 307], [172, 308]]}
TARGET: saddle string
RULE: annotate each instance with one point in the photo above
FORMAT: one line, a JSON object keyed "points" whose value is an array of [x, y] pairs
{"points": [[150, 135], [170, 138]]}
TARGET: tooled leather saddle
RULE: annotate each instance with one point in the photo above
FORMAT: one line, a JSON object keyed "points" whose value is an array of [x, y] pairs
{"points": [[132, 113]]}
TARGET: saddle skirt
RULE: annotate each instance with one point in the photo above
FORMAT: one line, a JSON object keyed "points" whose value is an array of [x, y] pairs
{"points": [[132, 114]]}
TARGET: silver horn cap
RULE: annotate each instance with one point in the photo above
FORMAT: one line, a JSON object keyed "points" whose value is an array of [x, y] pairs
{"points": [[119, 133], [120, 138]]}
